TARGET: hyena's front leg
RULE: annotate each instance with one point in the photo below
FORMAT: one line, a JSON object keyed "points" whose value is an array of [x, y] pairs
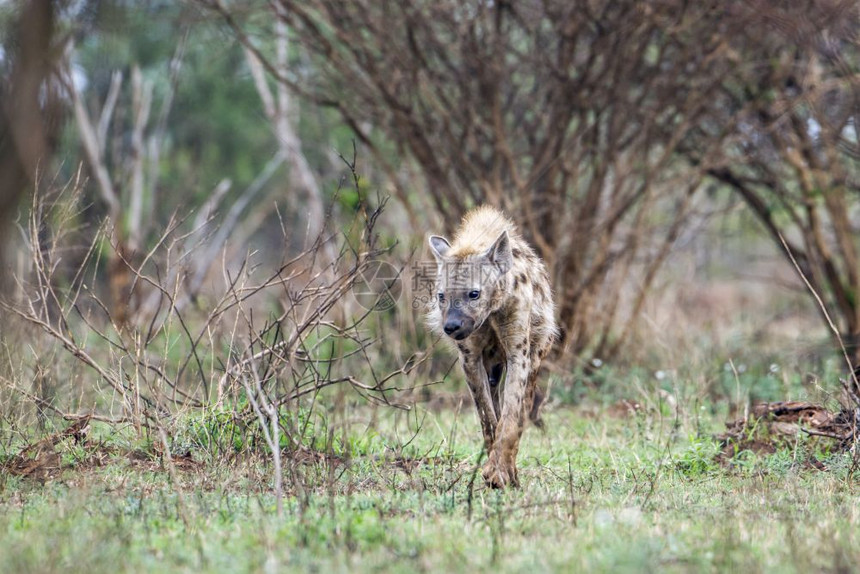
{"points": [[501, 467], [476, 377]]}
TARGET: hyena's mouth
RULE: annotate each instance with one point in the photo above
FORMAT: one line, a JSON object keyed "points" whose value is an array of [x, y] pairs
{"points": [[461, 333]]}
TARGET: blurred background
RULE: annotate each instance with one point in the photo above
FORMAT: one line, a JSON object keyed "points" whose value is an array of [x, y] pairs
{"points": [[191, 193]]}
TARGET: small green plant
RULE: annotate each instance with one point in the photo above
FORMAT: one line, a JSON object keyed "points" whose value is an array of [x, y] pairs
{"points": [[745, 461], [214, 433], [699, 457]]}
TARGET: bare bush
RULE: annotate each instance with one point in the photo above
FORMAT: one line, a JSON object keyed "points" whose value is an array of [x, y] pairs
{"points": [[567, 114], [793, 154], [261, 343]]}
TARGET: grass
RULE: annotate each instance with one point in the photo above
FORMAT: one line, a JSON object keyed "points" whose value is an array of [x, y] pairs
{"points": [[640, 492]]}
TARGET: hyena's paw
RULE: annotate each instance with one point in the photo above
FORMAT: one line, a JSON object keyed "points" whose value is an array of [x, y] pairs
{"points": [[499, 475]]}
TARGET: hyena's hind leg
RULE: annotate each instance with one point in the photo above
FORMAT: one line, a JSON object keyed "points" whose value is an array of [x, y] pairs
{"points": [[534, 394], [534, 399], [494, 363]]}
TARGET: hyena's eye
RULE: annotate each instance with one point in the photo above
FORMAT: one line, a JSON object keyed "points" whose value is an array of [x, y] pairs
{"points": [[474, 294]]}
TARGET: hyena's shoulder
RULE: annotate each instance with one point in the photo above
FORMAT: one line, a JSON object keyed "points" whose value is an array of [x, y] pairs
{"points": [[529, 285], [528, 272]]}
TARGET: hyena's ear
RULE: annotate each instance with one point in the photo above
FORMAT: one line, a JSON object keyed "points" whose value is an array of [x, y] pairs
{"points": [[499, 253], [439, 246]]}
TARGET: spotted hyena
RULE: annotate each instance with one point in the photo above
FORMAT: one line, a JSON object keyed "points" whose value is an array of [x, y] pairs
{"points": [[494, 300]]}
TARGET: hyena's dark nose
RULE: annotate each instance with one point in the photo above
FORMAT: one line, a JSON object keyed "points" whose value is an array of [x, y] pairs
{"points": [[452, 326]]}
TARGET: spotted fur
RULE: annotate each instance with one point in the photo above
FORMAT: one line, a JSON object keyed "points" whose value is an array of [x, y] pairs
{"points": [[495, 302]]}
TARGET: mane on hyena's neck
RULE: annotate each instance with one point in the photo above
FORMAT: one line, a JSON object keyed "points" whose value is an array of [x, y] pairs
{"points": [[479, 229]]}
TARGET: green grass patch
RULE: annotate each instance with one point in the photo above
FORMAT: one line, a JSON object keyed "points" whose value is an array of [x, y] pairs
{"points": [[403, 494]]}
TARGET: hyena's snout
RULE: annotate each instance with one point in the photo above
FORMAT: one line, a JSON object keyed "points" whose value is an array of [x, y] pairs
{"points": [[458, 325]]}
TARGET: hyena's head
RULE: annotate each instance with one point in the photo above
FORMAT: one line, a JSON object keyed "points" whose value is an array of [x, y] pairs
{"points": [[466, 284]]}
